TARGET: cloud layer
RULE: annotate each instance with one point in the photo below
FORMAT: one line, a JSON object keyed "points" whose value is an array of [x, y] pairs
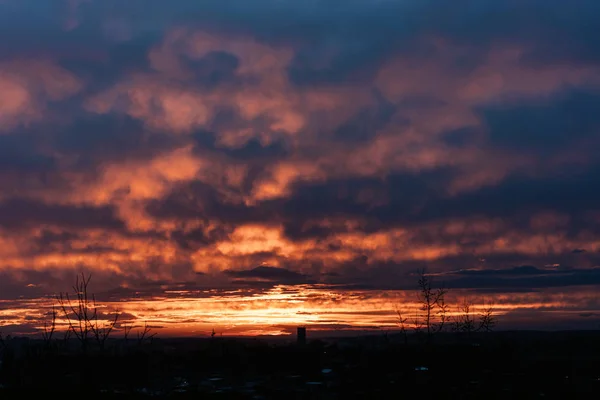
{"points": [[250, 144]]}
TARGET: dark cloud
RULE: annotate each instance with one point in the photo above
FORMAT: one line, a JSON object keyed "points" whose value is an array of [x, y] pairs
{"points": [[546, 126], [252, 152], [397, 197], [365, 124], [199, 200], [528, 277], [357, 36], [269, 274], [217, 67], [199, 237], [96, 139], [520, 279], [354, 58], [571, 192], [462, 137], [520, 270], [48, 238], [412, 199], [19, 153], [22, 213], [110, 61]]}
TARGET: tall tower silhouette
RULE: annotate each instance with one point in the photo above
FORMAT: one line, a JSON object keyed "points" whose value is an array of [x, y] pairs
{"points": [[301, 335]]}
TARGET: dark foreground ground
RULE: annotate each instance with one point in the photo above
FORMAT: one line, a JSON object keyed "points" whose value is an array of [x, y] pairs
{"points": [[491, 366]]}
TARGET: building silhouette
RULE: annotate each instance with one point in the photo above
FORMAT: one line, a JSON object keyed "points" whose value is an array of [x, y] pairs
{"points": [[301, 335]]}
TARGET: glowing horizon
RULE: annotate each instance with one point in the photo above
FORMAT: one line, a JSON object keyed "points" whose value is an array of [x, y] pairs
{"points": [[279, 310]]}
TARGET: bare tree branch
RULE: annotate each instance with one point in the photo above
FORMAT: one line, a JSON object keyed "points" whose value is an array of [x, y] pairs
{"points": [[81, 313], [81, 308], [464, 321], [126, 330], [66, 337], [49, 328], [442, 313], [487, 319], [144, 335], [402, 321], [432, 299], [102, 332], [417, 323]]}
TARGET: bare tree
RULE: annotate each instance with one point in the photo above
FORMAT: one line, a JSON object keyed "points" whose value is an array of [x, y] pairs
{"points": [[455, 325], [468, 322], [80, 311], [487, 319], [402, 323], [82, 314], [49, 328], [126, 330], [102, 332], [442, 312], [432, 299], [464, 321], [144, 334], [417, 323]]}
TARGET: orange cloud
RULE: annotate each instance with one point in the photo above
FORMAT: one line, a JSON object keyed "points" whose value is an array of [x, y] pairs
{"points": [[166, 100], [27, 85]]}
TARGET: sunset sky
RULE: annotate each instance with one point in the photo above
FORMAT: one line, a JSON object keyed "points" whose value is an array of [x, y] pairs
{"points": [[254, 165]]}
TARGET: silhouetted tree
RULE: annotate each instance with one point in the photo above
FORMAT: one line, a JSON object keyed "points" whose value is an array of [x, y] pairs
{"points": [[80, 311], [126, 330], [464, 320], [49, 328], [82, 314], [487, 319], [431, 300], [144, 334], [417, 323], [102, 332], [402, 321], [442, 313]]}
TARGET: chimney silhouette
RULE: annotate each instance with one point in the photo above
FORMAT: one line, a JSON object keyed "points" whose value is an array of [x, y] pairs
{"points": [[301, 335]]}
